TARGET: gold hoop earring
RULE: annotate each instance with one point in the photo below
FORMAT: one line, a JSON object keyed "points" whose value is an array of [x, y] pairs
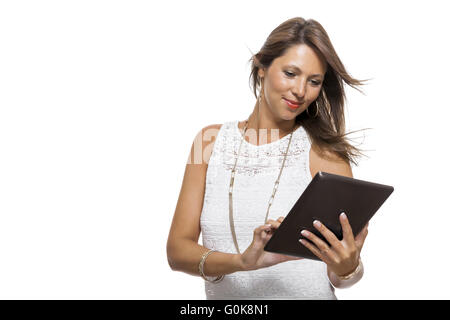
{"points": [[261, 92]]}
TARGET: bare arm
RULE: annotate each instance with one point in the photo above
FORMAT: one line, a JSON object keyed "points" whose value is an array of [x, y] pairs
{"points": [[328, 162], [183, 251]]}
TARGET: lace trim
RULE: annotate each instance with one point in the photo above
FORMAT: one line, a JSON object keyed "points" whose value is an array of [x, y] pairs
{"points": [[253, 159]]}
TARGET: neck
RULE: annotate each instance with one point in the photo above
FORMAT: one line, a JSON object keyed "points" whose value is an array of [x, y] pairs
{"points": [[262, 121]]}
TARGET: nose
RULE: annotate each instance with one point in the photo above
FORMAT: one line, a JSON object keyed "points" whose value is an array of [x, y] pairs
{"points": [[299, 89]]}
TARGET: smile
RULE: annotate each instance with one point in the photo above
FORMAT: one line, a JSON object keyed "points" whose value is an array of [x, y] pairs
{"points": [[292, 105]]}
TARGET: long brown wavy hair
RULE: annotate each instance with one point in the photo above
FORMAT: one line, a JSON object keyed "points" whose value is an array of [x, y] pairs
{"points": [[327, 129]]}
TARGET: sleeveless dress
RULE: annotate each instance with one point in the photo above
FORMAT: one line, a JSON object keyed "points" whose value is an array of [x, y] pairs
{"points": [[256, 172]]}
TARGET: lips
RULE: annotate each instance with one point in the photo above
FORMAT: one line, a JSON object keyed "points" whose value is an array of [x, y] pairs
{"points": [[293, 101], [292, 105]]}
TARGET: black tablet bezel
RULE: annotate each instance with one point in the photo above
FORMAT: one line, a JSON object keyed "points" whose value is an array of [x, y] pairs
{"points": [[325, 197]]}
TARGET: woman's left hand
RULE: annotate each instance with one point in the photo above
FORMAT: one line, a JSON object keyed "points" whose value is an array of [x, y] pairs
{"points": [[343, 256]]}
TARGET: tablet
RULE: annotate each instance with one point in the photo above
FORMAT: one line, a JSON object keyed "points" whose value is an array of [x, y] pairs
{"points": [[325, 197]]}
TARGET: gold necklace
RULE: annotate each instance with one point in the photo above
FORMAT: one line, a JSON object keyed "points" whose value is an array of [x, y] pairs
{"points": [[230, 193]]}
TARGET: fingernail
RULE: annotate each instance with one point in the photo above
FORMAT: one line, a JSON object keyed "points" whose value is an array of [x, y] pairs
{"points": [[343, 215], [305, 233], [317, 223]]}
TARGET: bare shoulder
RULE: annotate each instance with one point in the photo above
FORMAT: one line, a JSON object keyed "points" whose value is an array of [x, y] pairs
{"points": [[186, 221], [327, 161], [209, 138], [212, 129], [203, 144]]}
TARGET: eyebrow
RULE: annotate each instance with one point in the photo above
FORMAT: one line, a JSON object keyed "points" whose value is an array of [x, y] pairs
{"points": [[298, 69]]}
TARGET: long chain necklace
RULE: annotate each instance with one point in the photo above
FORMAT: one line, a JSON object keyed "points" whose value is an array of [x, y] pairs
{"points": [[230, 193]]}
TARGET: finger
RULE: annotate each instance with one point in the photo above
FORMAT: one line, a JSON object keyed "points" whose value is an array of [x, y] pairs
{"points": [[346, 229], [323, 247], [294, 258], [290, 258], [361, 237], [265, 236], [314, 250], [283, 258], [273, 223], [280, 219], [365, 229], [262, 231], [261, 235], [329, 235]]}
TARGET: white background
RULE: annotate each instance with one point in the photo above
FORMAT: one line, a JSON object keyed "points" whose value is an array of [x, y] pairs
{"points": [[100, 102]]}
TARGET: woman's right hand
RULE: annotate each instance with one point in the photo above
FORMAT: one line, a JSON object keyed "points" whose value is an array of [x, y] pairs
{"points": [[255, 257]]}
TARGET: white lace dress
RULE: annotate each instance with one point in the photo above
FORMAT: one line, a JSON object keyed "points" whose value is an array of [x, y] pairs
{"points": [[256, 172]]}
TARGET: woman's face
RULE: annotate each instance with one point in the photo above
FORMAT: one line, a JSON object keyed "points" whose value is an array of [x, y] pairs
{"points": [[297, 76]]}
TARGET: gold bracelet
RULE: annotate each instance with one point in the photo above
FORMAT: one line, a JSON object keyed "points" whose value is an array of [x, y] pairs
{"points": [[200, 268], [352, 274]]}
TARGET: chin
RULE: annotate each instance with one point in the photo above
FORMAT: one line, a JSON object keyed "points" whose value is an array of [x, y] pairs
{"points": [[289, 114], [288, 117]]}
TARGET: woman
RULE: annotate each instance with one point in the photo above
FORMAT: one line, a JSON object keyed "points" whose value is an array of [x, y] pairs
{"points": [[228, 193]]}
